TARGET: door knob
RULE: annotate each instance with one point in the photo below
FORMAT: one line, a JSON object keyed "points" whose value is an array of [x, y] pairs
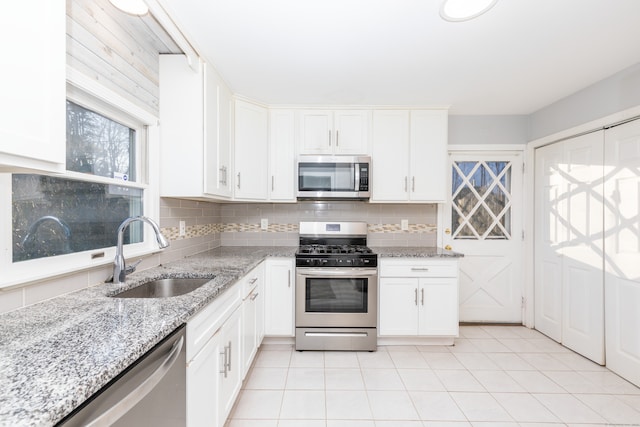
{"points": [[447, 231], [448, 247]]}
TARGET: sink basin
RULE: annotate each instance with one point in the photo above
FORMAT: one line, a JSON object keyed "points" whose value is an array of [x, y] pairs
{"points": [[164, 288]]}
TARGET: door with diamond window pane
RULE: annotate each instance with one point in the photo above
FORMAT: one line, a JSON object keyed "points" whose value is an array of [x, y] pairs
{"points": [[483, 220]]}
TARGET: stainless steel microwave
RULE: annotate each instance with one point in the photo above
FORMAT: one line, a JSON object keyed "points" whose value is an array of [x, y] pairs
{"points": [[334, 177]]}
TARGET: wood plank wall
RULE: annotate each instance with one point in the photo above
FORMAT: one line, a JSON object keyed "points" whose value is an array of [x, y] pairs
{"points": [[118, 50]]}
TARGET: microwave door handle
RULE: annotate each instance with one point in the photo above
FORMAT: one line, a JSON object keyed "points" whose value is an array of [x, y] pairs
{"points": [[356, 176]]}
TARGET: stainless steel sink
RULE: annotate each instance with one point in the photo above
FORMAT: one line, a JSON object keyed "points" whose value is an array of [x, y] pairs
{"points": [[164, 288]]}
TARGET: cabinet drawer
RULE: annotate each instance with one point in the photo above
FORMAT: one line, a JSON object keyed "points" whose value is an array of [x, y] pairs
{"points": [[411, 268], [252, 279], [206, 323]]}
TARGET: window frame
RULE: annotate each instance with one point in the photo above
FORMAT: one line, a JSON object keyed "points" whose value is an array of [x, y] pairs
{"points": [[90, 94]]}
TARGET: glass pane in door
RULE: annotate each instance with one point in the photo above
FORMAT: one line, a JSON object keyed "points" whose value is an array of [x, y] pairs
{"points": [[481, 197]]}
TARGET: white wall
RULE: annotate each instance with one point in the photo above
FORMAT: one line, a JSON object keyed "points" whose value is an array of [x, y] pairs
{"points": [[487, 130], [616, 93]]}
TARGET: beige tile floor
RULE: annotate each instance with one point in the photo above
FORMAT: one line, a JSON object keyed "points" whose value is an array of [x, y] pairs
{"points": [[495, 376]]}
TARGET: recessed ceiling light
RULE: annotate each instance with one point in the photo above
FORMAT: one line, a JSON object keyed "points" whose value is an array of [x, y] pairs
{"points": [[132, 7], [464, 10]]}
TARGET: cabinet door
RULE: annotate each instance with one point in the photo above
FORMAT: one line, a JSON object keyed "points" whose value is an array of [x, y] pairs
{"points": [[259, 302], [211, 117], [279, 292], [398, 306], [202, 385], [217, 98], [352, 132], [32, 105], [251, 149], [182, 128], [249, 332], [438, 302], [231, 380], [282, 156], [390, 174], [428, 156], [224, 166], [316, 132]]}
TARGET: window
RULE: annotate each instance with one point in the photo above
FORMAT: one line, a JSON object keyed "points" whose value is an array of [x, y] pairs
{"points": [[481, 207], [69, 221]]}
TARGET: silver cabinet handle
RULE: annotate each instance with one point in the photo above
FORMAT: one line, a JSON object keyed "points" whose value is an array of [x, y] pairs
{"points": [[419, 269], [253, 298], [238, 180], [422, 296], [272, 182], [224, 362], [254, 280], [288, 278], [416, 291], [329, 138], [406, 184], [337, 138], [228, 366], [413, 184], [115, 412]]}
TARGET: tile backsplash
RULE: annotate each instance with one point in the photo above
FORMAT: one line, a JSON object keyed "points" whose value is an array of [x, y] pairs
{"points": [[239, 224]]}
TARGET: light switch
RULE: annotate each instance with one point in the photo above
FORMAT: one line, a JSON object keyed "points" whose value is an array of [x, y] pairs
{"points": [[264, 224], [182, 229]]}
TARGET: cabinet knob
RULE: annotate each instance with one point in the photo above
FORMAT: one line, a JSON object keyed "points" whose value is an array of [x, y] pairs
{"points": [[448, 247]]}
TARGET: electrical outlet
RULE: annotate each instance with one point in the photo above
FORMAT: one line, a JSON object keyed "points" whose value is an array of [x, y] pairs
{"points": [[182, 229], [404, 224], [264, 224]]}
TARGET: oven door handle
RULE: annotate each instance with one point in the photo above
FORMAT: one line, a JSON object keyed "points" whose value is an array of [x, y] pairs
{"points": [[345, 272]]}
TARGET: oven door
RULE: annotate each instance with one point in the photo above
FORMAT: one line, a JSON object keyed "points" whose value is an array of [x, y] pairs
{"points": [[336, 297]]}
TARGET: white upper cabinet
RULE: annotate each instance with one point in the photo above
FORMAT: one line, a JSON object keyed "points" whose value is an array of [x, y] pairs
{"points": [[409, 156], [32, 105], [194, 131], [251, 151], [282, 156], [334, 132]]}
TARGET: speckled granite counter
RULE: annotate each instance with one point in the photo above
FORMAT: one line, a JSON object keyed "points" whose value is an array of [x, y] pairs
{"points": [[55, 354], [415, 252]]}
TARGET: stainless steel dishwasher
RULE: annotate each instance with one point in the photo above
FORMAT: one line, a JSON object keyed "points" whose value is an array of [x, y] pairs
{"points": [[151, 392]]}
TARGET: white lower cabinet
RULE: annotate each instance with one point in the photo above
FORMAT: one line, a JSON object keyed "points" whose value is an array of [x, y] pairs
{"points": [[279, 293], [252, 316], [230, 366], [418, 298], [215, 359]]}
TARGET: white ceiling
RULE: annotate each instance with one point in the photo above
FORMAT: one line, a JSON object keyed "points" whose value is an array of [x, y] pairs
{"points": [[519, 57]]}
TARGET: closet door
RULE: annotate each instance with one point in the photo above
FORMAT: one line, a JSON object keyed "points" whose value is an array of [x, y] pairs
{"points": [[622, 260], [569, 250], [582, 249], [549, 237]]}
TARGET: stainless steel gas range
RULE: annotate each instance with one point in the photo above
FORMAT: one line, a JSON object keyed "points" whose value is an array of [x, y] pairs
{"points": [[336, 288]]}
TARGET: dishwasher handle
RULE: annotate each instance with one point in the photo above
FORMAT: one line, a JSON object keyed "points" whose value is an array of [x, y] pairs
{"points": [[123, 406]]}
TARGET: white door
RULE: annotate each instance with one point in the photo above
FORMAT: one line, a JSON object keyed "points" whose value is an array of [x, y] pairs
{"points": [[582, 281], [549, 234], [569, 279], [622, 243], [482, 220]]}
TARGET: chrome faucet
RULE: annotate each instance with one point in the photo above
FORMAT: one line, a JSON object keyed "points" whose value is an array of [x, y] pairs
{"points": [[119, 267]]}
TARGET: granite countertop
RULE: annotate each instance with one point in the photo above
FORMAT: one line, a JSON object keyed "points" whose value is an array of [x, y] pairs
{"points": [[415, 252], [57, 353]]}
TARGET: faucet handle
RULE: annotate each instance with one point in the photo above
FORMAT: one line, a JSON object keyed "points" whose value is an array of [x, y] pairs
{"points": [[132, 267]]}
